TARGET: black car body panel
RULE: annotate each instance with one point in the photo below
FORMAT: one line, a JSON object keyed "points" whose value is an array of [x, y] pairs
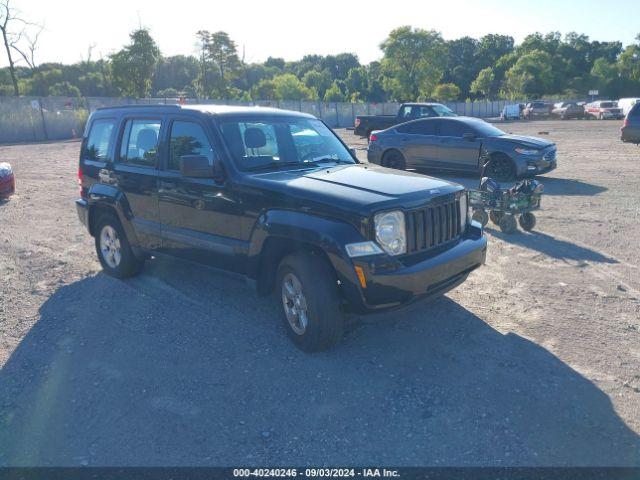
{"points": [[233, 220], [365, 124]]}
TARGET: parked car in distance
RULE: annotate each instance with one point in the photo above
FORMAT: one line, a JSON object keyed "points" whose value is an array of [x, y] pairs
{"points": [[603, 110], [630, 131], [626, 104], [511, 112], [365, 124], [278, 198], [462, 144], [536, 110], [7, 181], [567, 110]]}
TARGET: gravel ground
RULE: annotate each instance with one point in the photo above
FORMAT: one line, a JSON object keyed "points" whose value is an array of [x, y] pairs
{"points": [[535, 360]]}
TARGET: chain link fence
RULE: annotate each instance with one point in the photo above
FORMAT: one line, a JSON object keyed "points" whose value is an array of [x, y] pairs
{"points": [[34, 119]]}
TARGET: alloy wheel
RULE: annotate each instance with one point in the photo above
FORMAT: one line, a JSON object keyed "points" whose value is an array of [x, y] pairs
{"points": [[295, 304]]}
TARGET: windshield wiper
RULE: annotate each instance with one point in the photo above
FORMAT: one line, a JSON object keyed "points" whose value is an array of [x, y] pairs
{"points": [[324, 160]]}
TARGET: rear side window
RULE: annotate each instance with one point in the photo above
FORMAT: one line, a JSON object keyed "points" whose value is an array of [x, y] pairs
{"points": [[453, 129], [419, 128], [140, 142], [187, 138], [99, 139], [635, 111]]}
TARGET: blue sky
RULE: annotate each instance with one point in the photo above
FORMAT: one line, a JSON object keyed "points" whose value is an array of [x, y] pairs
{"points": [[291, 29]]}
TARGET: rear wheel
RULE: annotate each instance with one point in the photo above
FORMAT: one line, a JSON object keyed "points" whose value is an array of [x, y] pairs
{"points": [[527, 221], [307, 289], [501, 168], [496, 216], [393, 159], [508, 224], [113, 248]]}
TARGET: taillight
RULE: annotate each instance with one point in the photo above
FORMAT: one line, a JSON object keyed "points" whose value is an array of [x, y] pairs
{"points": [[80, 181], [625, 123], [373, 137], [357, 123]]}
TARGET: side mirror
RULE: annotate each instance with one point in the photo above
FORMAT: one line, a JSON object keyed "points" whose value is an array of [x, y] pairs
{"points": [[470, 137], [196, 166]]}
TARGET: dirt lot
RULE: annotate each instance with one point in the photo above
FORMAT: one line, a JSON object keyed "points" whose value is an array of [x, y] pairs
{"points": [[535, 360]]}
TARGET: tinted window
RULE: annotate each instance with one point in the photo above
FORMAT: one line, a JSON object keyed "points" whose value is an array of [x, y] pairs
{"points": [[453, 129], [635, 111], [140, 142], [607, 104], [187, 138], [419, 128], [295, 141], [99, 139]]}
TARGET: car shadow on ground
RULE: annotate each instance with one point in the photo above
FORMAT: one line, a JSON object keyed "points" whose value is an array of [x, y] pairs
{"points": [[181, 366], [551, 246], [552, 185]]}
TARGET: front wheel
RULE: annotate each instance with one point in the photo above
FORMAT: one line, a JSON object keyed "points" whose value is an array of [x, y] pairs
{"points": [[508, 224], [307, 288], [113, 249], [393, 159], [501, 168], [480, 216], [527, 221]]}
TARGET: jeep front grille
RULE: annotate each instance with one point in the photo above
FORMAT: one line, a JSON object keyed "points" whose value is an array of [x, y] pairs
{"points": [[432, 226]]}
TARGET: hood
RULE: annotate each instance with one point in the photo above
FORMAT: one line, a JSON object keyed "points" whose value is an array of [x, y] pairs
{"points": [[359, 188], [525, 141]]}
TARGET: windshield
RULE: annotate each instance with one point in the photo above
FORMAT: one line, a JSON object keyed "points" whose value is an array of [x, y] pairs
{"points": [[443, 111], [484, 129], [607, 104], [263, 143]]}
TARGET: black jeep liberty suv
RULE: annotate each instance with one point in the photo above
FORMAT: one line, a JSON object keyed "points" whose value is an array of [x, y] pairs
{"points": [[277, 197]]}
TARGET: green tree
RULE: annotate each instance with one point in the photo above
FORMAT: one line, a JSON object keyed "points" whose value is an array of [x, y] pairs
{"points": [[484, 84], [357, 84], [288, 87], [133, 67], [530, 77], [320, 81], [446, 92], [334, 94], [412, 62]]}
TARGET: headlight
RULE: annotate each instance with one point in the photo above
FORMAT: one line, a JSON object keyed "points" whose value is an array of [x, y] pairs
{"points": [[464, 211], [390, 232], [527, 151]]}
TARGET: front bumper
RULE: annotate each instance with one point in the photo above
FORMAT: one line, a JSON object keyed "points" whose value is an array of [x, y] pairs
{"points": [[392, 287]]}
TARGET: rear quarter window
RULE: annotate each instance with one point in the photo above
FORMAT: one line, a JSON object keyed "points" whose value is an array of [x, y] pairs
{"points": [[99, 139]]}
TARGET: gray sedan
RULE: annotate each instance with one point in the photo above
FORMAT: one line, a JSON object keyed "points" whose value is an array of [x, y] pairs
{"points": [[462, 144]]}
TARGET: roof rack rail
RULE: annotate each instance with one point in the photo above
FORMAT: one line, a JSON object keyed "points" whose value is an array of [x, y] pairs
{"points": [[141, 105]]}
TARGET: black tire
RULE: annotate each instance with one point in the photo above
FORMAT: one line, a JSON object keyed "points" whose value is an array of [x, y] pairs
{"points": [[481, 217], [508, 224], [325, 320], [128, 264], [501, 168], [393, 159], [527, 221], [496, 216]]}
